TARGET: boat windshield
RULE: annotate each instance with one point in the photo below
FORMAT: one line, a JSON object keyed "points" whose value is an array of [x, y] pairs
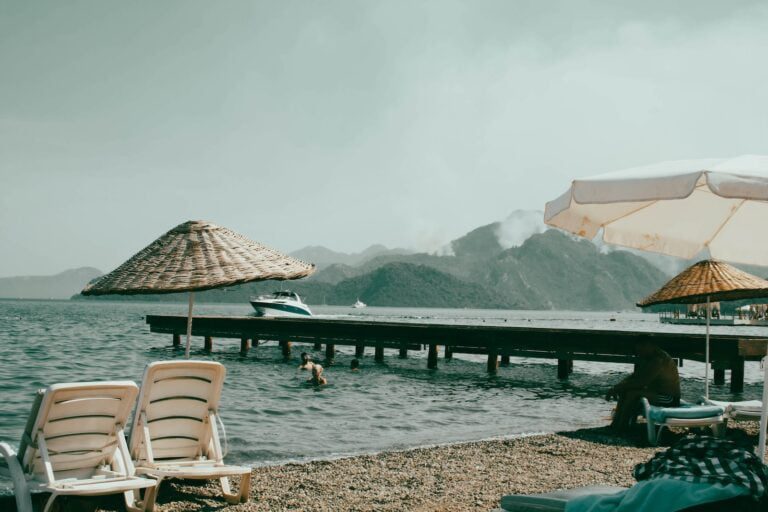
{"points": [[284, 295]]}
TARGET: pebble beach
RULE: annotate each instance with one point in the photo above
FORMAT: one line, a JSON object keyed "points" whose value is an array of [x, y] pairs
{"points": [[470, 476]]}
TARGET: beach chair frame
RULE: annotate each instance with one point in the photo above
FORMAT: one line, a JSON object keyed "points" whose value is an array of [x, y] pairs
{"points": [[654, 428], [35, 466], [207, 461]]}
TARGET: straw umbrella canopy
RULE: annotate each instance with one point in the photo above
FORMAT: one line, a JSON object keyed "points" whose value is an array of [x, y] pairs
{"points": [[681, 208], [195, 256], [704, 282]]}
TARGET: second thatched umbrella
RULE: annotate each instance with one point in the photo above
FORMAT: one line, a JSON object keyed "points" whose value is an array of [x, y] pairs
{"points": [[195, 256], [706, 281]]}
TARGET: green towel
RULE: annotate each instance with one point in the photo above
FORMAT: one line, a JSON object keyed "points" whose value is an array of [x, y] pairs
{"points": [[658, 495]]}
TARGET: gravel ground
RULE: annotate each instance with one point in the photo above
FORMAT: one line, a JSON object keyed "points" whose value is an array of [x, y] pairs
{"points": [[461, 477]]}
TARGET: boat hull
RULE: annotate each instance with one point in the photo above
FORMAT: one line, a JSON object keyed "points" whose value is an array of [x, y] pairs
{"points": [[267, 308]]}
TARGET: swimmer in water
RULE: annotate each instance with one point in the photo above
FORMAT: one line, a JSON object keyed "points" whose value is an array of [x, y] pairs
{"points": [[317, 376], [354, 365], [306, 362]]}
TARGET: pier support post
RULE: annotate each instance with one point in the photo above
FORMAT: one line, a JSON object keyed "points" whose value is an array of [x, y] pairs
{"points": [[564, 368], [432, 357], [208, 343], [737, 375], [719, 374], [493, 361], [379, 354], [359, 350], [505, 360], [318, 345], [177, 340], [448, 352], [403, 352], [245, 345], [330, 352], [286, 346]]}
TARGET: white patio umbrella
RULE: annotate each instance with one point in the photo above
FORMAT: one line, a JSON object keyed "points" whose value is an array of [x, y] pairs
{"points": [[196, 256], [681, 208]]}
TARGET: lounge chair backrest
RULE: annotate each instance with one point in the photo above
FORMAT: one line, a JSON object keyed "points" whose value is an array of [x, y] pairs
{"points": [[176, 398], [79, 422]]}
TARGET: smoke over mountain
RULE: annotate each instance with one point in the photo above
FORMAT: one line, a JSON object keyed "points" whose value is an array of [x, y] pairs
{"points": [[519, 227]]}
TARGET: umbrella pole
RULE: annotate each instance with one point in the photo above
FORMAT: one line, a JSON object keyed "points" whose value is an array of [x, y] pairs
{"points": [[189, 323], [764, 412], [706, 356]]}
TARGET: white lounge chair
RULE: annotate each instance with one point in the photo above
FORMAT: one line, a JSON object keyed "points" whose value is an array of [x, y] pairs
{"points": [[175, 431], [74, 444], [748, 410], [686, 415]]}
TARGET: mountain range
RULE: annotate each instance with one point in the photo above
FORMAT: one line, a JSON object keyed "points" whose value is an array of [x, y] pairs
{"points": [[59, 286], [515, 263]]}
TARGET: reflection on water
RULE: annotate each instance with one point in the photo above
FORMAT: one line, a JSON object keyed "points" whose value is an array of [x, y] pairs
{"points": [[271, 414]]}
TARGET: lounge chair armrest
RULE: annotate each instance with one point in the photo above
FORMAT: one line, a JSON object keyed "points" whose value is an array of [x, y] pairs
{"points": [[20, 489]]}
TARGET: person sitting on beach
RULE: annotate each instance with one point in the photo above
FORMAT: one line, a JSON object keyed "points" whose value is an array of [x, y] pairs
{"points": [[317, 376], [355, 365], [655, 378], [306, 362]]}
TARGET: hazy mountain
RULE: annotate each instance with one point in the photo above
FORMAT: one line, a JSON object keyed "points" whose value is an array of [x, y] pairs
{"points": [[335, 273], [408, 285], [480, 243], [59, 286], [552, 270], [324, 257]]}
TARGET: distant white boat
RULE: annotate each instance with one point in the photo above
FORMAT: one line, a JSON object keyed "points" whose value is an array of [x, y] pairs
{"points": [[284, 303], [359, 304]]}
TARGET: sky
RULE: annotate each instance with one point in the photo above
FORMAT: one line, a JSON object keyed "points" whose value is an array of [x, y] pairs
{"points": [[348, 123]]}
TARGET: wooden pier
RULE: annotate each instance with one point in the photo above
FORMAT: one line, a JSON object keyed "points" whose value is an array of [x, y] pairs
{"points": [[727, 352]]}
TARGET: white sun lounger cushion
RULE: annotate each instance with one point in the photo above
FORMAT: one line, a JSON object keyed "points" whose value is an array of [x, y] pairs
{"points": [[693, 412], [749, 407]]}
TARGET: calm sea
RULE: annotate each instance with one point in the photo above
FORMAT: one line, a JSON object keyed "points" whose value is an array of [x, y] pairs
{"points": [[272, 416]]}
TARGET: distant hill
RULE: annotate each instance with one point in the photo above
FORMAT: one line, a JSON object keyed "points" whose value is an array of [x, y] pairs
{"points": [[408, 285], [324, 257], [552, 270], [59, 286]]}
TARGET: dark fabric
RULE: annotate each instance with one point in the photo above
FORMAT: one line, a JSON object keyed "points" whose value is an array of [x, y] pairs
{"points": [[704, 459]]}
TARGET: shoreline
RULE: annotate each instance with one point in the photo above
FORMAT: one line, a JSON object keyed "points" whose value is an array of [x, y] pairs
{"points": [[463, 476], [452, 477]]}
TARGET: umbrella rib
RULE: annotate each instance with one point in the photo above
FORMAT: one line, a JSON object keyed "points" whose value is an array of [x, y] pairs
{"points": [[627, 214], [722, 225]]}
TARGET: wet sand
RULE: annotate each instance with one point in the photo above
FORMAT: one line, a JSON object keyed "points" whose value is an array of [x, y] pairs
{"points": [[460, 477]]}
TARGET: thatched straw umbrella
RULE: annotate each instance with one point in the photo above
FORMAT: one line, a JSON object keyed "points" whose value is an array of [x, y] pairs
{"points": [[197, 255], [704, 282]]}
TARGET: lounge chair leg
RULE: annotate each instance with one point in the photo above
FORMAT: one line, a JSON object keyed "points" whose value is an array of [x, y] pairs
{"points": [[134, 503], [229, 496], [718, 429], [240, 497], [245, 488], [49, 503], [20, 489]]}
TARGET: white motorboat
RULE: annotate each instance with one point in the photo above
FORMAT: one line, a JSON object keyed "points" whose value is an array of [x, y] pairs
{"points": [[359, 304], [283, 303]]}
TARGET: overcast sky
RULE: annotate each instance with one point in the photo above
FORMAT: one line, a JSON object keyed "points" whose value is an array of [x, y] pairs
{"points": [[348, 123]]}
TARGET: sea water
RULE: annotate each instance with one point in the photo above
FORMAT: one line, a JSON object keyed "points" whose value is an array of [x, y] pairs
{"points": [[271, 414]]}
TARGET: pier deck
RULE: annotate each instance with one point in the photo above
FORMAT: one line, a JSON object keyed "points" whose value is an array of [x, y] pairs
{"points": [[565, 345]]}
